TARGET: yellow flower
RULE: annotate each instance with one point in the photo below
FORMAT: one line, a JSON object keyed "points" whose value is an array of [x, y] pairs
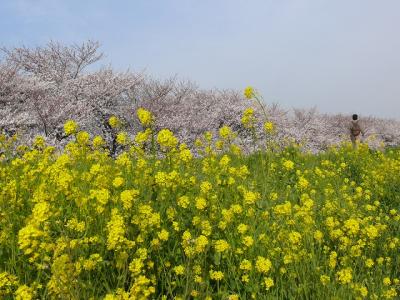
{"points": [[98, 141], [143, 136], [248, 119], [185, 155], [127, 197], [250, 197], [40, 212], [249, 92], [345, 275], [363, 291], [324, 279], [201, 203], [295, 237], [102, 196], [242, 228], [224, 162], [194, 293], [318, 236], [263, 265], [163, 235], [122, 138], [390, 293], [369, 263], [386, 281], [183, 201], [248, 241], [268, 282], [205, 187], [118, 181], [74, 224], [166, 139], [91, 263], [352, 226], [83, 138], [222, 225], [221, 245], [268, 127], [116, 232], [245, 265], [287, 258], [70, 127], [114, 122], [200, 243], [372, 231], [303, 183], [145, 117], [288, 165], [226, 133], [39, 142], [283, 209], [24, 293], [179, 270], [332, 259], [197, 269], [216, 275]]}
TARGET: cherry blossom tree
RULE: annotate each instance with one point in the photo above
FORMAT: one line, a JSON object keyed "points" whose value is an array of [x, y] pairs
{"points": [[42, 87]]}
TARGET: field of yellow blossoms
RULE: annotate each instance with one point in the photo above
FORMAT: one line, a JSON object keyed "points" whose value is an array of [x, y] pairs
{"points": [[158, 222]]}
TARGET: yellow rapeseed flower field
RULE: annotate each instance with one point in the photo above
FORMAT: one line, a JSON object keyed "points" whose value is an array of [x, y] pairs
{"points": [[158, 222]]}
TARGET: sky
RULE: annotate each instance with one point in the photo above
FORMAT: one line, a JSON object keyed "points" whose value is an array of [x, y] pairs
{"points": [[339, 56]]}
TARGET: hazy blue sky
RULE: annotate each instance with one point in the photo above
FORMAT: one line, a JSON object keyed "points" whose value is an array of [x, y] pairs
{"points": [[338, 55]]}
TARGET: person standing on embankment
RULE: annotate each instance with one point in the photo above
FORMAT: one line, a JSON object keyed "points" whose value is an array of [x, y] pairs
{"points": [[355, 130]]}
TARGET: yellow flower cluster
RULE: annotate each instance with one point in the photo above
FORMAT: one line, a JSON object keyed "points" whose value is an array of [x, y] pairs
{"points": [[269, 127], [70, 127], [249, 92], [77, 223], [166, 139], [114, 122], [248, 118], [221, 246], [145, 117]]}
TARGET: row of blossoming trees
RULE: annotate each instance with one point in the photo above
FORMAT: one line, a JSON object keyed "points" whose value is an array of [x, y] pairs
{"points": [[42, 87]]}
